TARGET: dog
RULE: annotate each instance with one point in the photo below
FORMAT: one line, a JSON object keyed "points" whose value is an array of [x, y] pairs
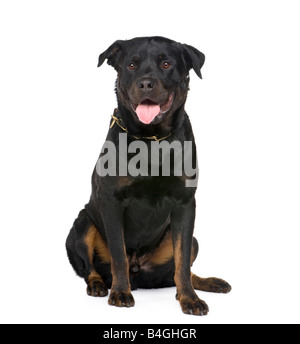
{"points": [[136, 231]]}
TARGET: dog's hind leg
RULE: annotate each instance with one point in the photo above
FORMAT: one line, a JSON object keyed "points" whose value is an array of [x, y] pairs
{"points": [[211, 284], [82, 243], [96, 246]]}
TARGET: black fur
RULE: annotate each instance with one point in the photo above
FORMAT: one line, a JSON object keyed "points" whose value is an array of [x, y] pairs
{"points": [[146, 214]]}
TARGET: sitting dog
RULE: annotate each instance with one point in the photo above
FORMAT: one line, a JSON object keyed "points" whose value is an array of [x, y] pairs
{"points": [[136, 231]]}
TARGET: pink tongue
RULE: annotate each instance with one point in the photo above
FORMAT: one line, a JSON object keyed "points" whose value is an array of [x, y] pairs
{"points": [[147, 112]]}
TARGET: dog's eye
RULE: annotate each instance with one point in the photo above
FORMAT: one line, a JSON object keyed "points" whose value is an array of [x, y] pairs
{"points": [[131, 66], [166, 65]]}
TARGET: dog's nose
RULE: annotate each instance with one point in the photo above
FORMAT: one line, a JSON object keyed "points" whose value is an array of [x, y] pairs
{"points": [[146, 85]]}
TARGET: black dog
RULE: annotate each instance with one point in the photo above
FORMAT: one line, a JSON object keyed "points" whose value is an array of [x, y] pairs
{"points": [[137, 229]]}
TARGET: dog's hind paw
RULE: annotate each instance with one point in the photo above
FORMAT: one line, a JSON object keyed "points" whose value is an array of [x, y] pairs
{"points": [[211, 284], [97, 288]]}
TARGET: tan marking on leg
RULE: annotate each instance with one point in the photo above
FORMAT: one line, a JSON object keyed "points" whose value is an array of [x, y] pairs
{"points": [[94, 276], [178, 266], [94, 242], [164, 252]]}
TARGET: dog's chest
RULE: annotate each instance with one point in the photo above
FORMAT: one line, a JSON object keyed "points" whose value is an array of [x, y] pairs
{"points": [[154, 191]]}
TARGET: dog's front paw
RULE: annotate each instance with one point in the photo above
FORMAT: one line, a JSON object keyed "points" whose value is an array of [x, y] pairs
{"points": [[121, 299], [193, 305]]}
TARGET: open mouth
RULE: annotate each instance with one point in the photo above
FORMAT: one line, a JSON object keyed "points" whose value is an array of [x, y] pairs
{"points": [[147, 111]]}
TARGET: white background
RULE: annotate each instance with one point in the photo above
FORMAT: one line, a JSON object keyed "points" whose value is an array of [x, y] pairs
{"points": [[55, 109]]}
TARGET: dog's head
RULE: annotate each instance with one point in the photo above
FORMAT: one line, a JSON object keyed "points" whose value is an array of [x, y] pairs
{"points": [[153, 76]]}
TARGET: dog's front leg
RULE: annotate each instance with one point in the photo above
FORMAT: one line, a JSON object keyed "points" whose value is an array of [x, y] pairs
{"points": [[120, 294], [182, 227]]}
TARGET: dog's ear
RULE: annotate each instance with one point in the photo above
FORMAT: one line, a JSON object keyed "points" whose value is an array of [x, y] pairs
{"points": [[112, 54], [194, 59]]}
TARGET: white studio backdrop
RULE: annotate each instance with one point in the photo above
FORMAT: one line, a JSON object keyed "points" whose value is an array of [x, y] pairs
{"points": [[55, 107]]}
